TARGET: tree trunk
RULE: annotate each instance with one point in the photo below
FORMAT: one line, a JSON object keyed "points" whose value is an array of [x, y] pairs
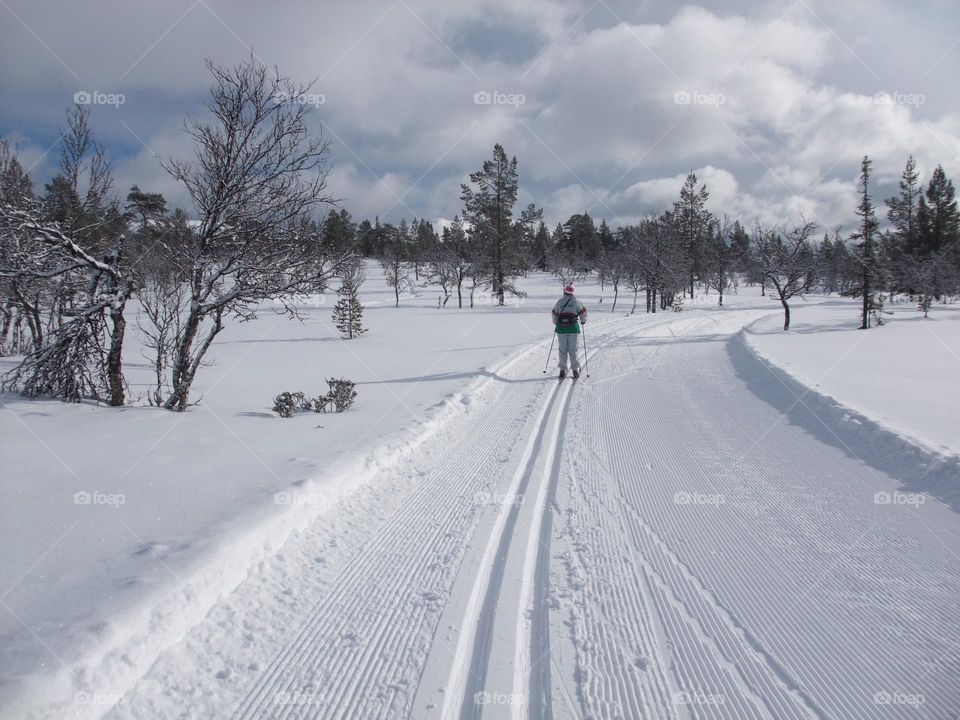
{"points": [[786, 313], [181, 362], [616, 292], [114, 359], [865, 322]]}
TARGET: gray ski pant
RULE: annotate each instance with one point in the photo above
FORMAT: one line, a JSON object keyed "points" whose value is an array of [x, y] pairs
{"points": [[567, 344]]}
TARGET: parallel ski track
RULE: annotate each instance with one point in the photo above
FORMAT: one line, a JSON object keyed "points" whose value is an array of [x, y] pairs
{"points": [[623, 652], [358, 652], [471, 660], [715, 651], [361, 652]]}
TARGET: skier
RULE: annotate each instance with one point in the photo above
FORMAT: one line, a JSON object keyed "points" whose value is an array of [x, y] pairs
{"points": [[568, 314]]}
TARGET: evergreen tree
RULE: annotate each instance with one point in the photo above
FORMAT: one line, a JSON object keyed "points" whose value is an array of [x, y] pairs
{"points": [[937, 215], [16, 187], [692, 221], [339, 231], [365, 239], [541, 247], [488, 210], [867, 285], [348, 312], [581, 240], [902, 209]]}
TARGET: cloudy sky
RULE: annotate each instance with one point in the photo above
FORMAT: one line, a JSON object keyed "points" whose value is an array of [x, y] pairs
{"points": [[606, 104]]}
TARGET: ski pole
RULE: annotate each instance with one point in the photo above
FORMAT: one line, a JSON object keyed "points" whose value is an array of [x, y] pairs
{"points": [[549, 353], [586, 354]]}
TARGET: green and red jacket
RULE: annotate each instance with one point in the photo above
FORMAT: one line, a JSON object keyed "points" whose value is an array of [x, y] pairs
{"points": [[568, 313]]}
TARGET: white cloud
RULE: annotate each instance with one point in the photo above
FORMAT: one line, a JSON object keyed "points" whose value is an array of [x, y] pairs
{"points": [[599, 118]]}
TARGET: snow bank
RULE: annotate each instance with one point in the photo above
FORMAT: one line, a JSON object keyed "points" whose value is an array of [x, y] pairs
{"points": [[805, 384]]}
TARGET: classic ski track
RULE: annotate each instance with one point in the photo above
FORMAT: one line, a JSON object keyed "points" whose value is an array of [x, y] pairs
{"points": [[719, 651], [476, 626], [649, 618], [533, 644], [613, 685], [379, 677], [380, 611], [699, 626]]}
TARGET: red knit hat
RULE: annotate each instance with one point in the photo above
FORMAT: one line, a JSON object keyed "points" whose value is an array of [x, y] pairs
{"points": [[569, 289]]}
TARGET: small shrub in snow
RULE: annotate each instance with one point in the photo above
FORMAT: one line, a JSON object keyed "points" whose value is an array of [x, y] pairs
{"points": [[339, 398], [287, 403], [341, 394]]}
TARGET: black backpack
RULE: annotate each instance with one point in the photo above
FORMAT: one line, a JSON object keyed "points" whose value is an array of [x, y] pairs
{"points": [[566, 319]]}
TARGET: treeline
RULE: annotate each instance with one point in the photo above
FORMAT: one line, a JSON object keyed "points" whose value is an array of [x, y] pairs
{"points": [[261, 231], [665, 257]]}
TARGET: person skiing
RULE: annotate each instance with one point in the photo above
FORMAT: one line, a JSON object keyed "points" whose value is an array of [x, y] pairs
{"points": [[568, 314]]}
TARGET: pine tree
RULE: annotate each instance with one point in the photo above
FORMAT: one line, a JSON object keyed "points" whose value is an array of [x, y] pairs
{"points": [[866, 252], [488, 210], [348, 312], [902, 210], [938, 216], [692, 220]]}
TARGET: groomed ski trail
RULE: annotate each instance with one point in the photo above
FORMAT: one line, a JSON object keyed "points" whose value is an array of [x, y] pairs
{"points": [[726, 558], [535, 557]]}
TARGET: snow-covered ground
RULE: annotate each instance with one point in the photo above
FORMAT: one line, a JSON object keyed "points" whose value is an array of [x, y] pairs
{"points": [[896, 386], [905, 375], [672, 537]]}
